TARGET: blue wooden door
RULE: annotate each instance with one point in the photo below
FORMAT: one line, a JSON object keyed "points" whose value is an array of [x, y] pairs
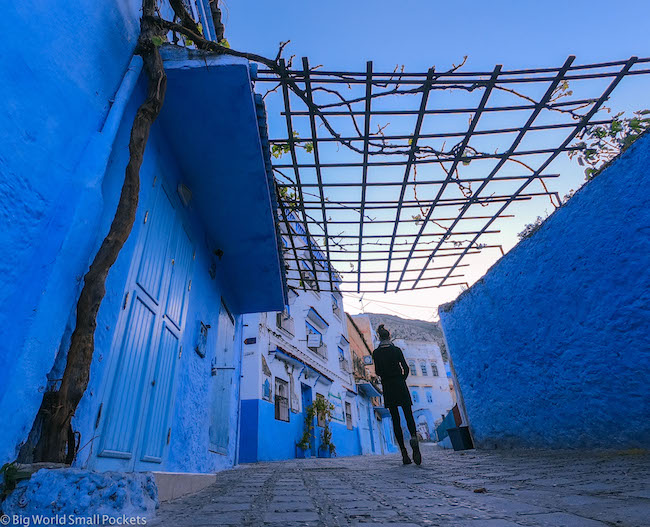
{"points": [[147, 349], [157, 428], [307, 399], [364, 426], [223, 369]]}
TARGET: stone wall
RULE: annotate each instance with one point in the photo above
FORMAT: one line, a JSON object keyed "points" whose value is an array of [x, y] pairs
{"points": [[551, 347]]}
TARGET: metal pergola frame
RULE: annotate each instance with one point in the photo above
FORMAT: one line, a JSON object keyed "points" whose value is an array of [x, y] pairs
{"points": [[319, 216]]}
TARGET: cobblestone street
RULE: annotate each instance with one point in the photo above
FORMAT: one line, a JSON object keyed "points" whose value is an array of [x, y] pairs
{"points": [[450, 489]]}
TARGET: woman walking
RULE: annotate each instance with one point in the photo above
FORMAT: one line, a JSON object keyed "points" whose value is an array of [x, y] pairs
{"points": [[393, 371]]}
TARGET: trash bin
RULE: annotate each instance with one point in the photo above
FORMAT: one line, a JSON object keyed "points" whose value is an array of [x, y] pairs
{"points": [[460, 438]]}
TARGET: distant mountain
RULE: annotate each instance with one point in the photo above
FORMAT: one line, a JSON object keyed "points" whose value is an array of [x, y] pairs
{"points": [[408, 329]]}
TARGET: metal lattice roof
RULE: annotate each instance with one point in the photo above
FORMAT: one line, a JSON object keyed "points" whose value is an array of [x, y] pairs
{"points": [[398, 178]]}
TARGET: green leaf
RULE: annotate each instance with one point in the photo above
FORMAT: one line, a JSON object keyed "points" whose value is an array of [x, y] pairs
{"points": [[157, 41], [224, 42]]}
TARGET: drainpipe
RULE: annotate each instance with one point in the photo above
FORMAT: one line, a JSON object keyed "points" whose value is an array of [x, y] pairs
{"points": [[124, 92], [100, 146]]}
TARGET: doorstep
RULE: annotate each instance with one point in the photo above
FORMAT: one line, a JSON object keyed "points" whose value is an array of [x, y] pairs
{"points": [[172, 485]]}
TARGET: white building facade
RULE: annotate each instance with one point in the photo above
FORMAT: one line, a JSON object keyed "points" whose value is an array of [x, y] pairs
{"points": [[290, 358], [428, 383]]}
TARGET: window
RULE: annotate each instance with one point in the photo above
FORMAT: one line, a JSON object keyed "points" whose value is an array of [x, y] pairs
{"points": [[415, 396], [336, 306], [434, 369], [307, 276], [285, 322], [429, 397], [281, 400], [423, 367], [311, 330], [341, 353], [348, 415], [320, 417], [413, 369]]}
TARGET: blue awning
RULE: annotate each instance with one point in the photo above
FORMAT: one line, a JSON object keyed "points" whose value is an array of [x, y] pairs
{"points": [[316, 319], [282, 355], [381, 411], [368, 389], [214, 127]]}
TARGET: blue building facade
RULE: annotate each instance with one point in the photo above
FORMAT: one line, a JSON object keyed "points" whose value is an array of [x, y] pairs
{"points": [[550, 347], [164, 391]]}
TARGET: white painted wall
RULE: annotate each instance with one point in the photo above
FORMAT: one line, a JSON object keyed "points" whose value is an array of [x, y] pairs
{"points": [[439, 386]]}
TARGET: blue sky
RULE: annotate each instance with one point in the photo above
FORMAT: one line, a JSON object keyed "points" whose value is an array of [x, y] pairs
{"points": [[417, 34]]}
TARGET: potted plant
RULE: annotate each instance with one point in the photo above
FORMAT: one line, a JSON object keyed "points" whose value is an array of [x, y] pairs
{"points": [[303, 447], [326, 448], [324, 409]]}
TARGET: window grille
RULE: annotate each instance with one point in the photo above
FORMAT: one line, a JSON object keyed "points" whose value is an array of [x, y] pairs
{"points": [[336, 306], [320, 350], [434, 369], [320, 417], [413, 369], [423, 367], [281, 400], [285, 322], [348, 415]]}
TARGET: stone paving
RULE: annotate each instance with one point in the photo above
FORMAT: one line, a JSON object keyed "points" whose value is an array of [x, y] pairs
{"points": [[450, 489]]}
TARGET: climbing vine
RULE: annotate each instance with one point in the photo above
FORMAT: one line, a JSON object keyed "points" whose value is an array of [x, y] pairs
{"points": [[600, 144], [323, 408], [52, 438]]}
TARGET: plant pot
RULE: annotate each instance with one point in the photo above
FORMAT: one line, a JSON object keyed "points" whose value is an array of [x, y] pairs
{"points": [[324, 452], [302, 454]]}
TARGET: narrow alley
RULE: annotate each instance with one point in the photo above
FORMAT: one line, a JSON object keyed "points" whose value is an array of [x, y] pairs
{"points": [[325, 264], [451, 489]]}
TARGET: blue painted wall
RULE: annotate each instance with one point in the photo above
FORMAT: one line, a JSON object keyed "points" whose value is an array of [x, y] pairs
{"points": [[552, 348], [265, 438], [188, 449], [64, 130], [248, 430], [50, 121]]}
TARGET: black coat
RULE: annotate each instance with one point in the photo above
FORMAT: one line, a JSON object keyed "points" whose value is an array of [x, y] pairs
{"points": [[391, 367]]}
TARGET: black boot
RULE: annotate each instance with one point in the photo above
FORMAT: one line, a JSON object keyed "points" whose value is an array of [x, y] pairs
{"points": [[417, 456], [406, 460]]}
